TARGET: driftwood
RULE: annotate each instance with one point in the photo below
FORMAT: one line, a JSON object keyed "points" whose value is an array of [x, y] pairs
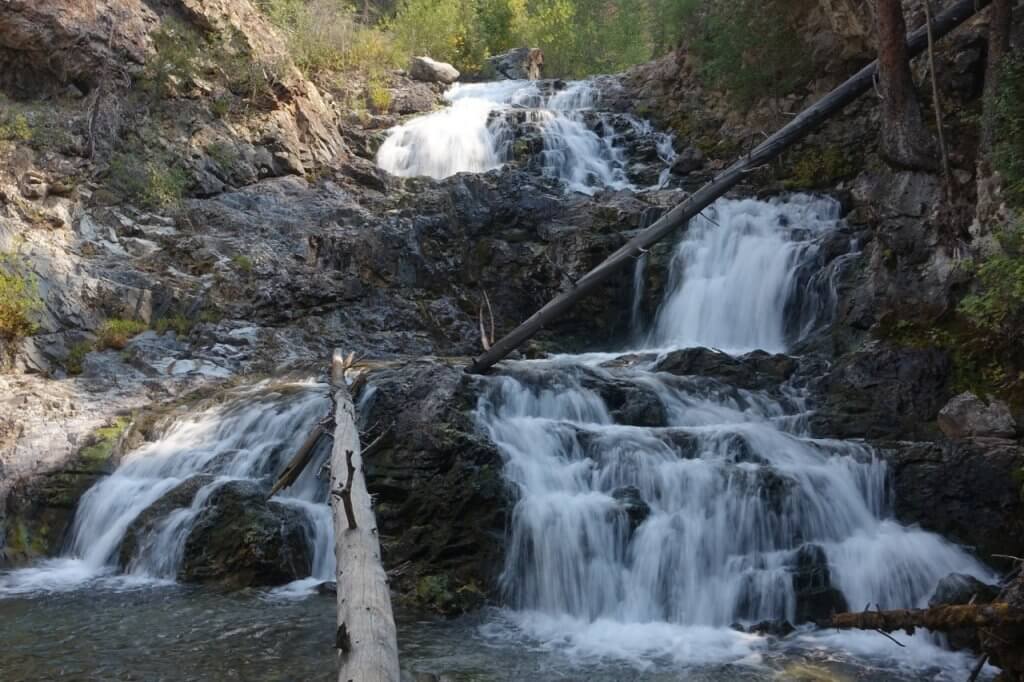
{"points": [[366, 639], [303, 457], [937, 618], [807, 121]]}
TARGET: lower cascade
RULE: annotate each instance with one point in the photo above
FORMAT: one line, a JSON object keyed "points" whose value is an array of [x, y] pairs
{"points": [[653, 510]]}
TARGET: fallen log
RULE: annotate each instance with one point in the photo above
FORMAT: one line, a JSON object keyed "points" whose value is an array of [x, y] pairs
{"points": [[807, 121], [366, 639], [302, 458], [937, 618]]}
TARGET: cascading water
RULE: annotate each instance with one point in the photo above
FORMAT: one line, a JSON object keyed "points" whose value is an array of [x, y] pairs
{"points": [[245, 439], [648, 542], [582, 147]]}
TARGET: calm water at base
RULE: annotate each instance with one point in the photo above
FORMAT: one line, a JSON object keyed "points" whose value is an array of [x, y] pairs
{"points": [[182, 633]]}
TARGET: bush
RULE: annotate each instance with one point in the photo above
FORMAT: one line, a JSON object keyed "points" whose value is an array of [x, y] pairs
{"points": [[76, 357], [177, 57], [153, 183], [378, 96], [116, 333], [1009, 144], [19, 300], [15, 127], [242, 263]]}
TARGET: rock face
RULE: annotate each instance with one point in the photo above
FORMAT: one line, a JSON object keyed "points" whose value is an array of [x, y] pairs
{"points": [[439, 496], [967, 490], [430, 71], [240, 540], [522, 63], [967, 415]]}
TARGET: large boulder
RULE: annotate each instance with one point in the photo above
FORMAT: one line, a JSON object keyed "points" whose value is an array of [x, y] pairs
{"points": [[967, 415], [177, 498], [431, 71], [958, 588], [816, 598], [756, 370], [241, 539], [521, 63], [966, 489]]}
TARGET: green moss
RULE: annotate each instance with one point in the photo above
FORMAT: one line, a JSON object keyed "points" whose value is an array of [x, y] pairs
{"points": [[20, 303], [242, 263], [818, 168], [102, 442]]}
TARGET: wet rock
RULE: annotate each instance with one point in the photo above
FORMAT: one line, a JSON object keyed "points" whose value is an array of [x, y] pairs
{"points": [[430, 71], [756, 370], [327, 588], [439, 495], [521, 63], [240, 540], [773, 628], [628, 403], [180, 496], [966, 490], [967, 415], [958, 588], [816, 598], [632, 503], [689, 160]]}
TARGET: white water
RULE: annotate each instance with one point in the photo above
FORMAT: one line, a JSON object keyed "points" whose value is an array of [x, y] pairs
{"points": [[475, 134], [735, 485], [255, 431]]}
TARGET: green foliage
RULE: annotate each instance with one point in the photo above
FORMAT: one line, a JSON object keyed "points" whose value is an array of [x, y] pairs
{"points": [[378, 96], [748, 48], [1009, 144], [19, 300], [997, 308], [15, 127], [818, 168], [115, 333], [76, 357], [323, 35], [242, 263], [180, 324], [223, 154], [177, 57], [154, 182]]}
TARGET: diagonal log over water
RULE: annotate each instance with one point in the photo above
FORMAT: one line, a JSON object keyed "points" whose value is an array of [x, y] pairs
{"points": [[807, 121]]}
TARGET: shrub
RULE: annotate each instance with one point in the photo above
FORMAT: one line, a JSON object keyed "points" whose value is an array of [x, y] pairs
{"points": [[180, 324], [242, 263], [116, 333], [76, 357], [1009, 144], [379, 96], [177, 57], [15, 127], [153, 183], [19, 300]]}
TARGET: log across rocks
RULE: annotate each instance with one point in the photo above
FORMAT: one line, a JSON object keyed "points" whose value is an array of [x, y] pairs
{"points": [[366, 639]]}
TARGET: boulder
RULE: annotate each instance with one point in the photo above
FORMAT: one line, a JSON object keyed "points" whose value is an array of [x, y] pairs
{"points": [[521, 63], [241, 539], [967, 415], [964, 489], [689, 160], [180, 496], [957, 588], [430, 71], [756, 370], [816, 598], [773, 628]]}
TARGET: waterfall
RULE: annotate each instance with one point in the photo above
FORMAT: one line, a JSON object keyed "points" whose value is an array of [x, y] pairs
{"points": [[650, 541], [248, 437], [582, 147]]}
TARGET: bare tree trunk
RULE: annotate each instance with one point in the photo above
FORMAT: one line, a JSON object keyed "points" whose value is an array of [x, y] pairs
{"points": [[366, 639], [1000, 20], [905, 141]]}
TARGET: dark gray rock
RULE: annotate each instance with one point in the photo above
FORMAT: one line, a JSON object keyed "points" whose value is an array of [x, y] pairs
{"points": [[633, 505], [773, 628], [521, 63], [957, 589], [240, 540], [816, 598], [180, 496], [967, 490], [687, 161], [756, 370]]}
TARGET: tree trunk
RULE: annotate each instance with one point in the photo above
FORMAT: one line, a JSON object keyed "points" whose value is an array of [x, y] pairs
{"points": [[808, 120], [366, 639], [1000, 20], [905, 142]]}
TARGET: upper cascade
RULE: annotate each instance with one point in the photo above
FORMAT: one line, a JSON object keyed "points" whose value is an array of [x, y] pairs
{"points": [[558, 125]]}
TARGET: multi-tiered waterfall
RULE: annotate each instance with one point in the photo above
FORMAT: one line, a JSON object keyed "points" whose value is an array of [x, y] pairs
{"points": [[651, 540]]}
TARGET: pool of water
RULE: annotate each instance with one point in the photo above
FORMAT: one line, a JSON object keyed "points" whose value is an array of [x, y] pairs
{"points": [[114, 630]]}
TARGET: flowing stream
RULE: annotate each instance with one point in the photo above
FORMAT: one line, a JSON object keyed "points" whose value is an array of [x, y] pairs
{"points": [[648, 533]]}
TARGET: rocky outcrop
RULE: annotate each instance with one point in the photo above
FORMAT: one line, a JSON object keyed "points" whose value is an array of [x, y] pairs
{"points": [[756, 370], [521, 63], [967, 415], [240, 539], [439, 496], [179, 497], [968, 490], [430, 71]]}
